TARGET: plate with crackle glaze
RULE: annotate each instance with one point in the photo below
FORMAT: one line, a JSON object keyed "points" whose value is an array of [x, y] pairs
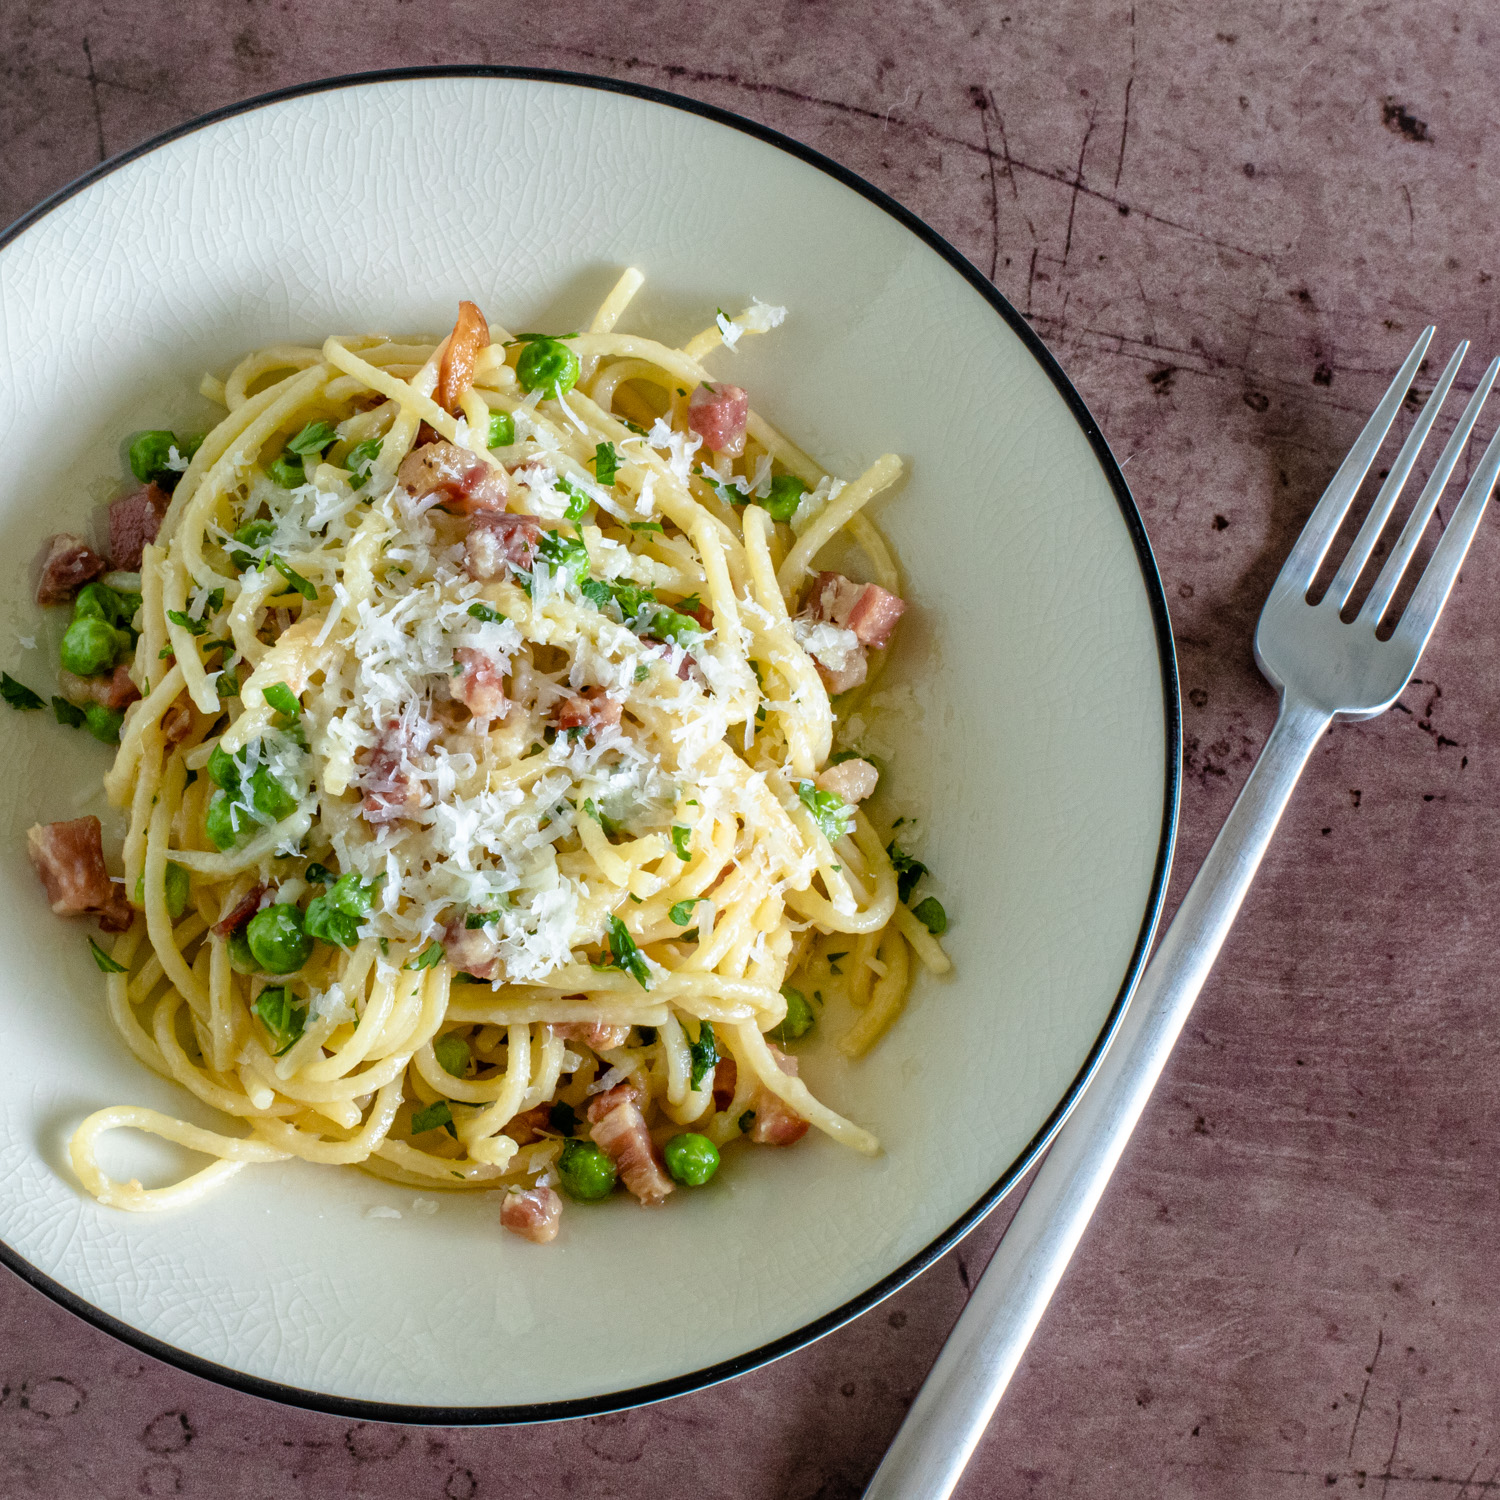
{"points": [[1035, 732]]}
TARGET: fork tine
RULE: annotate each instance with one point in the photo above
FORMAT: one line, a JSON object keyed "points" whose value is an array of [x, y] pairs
{"points": [[1419, 617], [1377, 601], [1322, 526], [1385, 502]]}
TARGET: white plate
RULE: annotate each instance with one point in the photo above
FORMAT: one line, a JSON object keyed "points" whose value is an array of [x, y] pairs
{"points": [[1040, 747]]}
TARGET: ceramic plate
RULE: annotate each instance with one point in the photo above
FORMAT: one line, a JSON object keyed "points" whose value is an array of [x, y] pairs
{"points": [[1033, 722]]}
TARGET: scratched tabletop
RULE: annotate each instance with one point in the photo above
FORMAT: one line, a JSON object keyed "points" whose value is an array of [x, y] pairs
{"points": [[1228, 222]]}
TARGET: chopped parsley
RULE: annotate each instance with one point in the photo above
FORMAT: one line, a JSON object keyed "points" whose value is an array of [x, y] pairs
{"points": [[68, 713], [316, 437], [359, 461], [830, 812], [682, 839], [188, 623], [705, 1055], [431, 1117], [606, 463], [578, 501], [105, 962], [297, 581], [17, 694], [481, 611], [429, 958], [908, 870], [682, 911], [621, 953], [931, 915]]}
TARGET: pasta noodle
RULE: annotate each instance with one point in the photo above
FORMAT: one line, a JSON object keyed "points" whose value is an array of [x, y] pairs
{"points": [[485, 734]]}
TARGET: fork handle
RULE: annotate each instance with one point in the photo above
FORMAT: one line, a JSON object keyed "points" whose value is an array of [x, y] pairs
{"points": [[964, 1387]]}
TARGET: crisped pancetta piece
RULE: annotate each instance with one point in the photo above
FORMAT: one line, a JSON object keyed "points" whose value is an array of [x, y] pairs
{"points": [[619, 1129], [469, 339], [390, 791], [531, 1213], [471, 950], [69, 857], [241, 912], [592, 710], [776, 1123], [462, 481], [498, 541], [134, 520], [602, 1036], [853, 780], [69, 564], [114, 691], [480, 687], [718, 413]]}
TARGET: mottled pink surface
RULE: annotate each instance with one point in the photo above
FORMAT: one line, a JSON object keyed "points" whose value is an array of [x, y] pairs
{"points": [[1228, 221]]}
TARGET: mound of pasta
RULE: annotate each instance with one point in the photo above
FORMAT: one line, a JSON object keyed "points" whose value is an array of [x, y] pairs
{"points": [[477, 704]]}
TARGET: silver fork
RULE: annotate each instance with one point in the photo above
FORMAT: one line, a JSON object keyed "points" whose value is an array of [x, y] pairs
{"points": [[1324, 669]]}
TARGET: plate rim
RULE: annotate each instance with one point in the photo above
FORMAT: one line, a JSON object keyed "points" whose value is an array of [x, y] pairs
{"points": [[552, 1411]]}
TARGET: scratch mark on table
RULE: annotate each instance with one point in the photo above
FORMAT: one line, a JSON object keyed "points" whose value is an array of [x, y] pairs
{"points": [[1129, 84], [1369, 1376]]}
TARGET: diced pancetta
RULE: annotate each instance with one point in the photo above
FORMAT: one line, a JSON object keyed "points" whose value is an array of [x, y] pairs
{"points": [[390, 792], [524, 1128], [241, 912], [69, 857], [717, 413], [69, 564], [177, 723], [480, 687], [531, 1213], [726, 1077], [592, 710], [867, 609], [470, 337], [621, 1133], [853, 780], [471, 950], [134, 520], [776, 1123], [462, 481], [114, 691], [627, 1091], [601, 1036], [499, 540]]}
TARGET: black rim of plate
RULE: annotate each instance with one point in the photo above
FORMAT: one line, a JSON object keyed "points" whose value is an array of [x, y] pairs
{"points": [[448, 1416]]}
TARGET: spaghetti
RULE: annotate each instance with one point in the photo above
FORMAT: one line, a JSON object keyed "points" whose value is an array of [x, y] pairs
{"points": [[484, 812]]}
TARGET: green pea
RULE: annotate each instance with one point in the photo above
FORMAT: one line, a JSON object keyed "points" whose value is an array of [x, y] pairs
{"points": [[103, 723], [585, 1172], [799, 1016], [502, 429], [281, 1016], [334, 916], [786, 495], [272, 800], [251, 534], [287, 471], [691, 1159], [104, 603], [547, 365], [90, 646], [224, 769], [452, 1053], [241, 959], [681, 630], [176, 890], [220, 823], [148, 455], [276, 939]]}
